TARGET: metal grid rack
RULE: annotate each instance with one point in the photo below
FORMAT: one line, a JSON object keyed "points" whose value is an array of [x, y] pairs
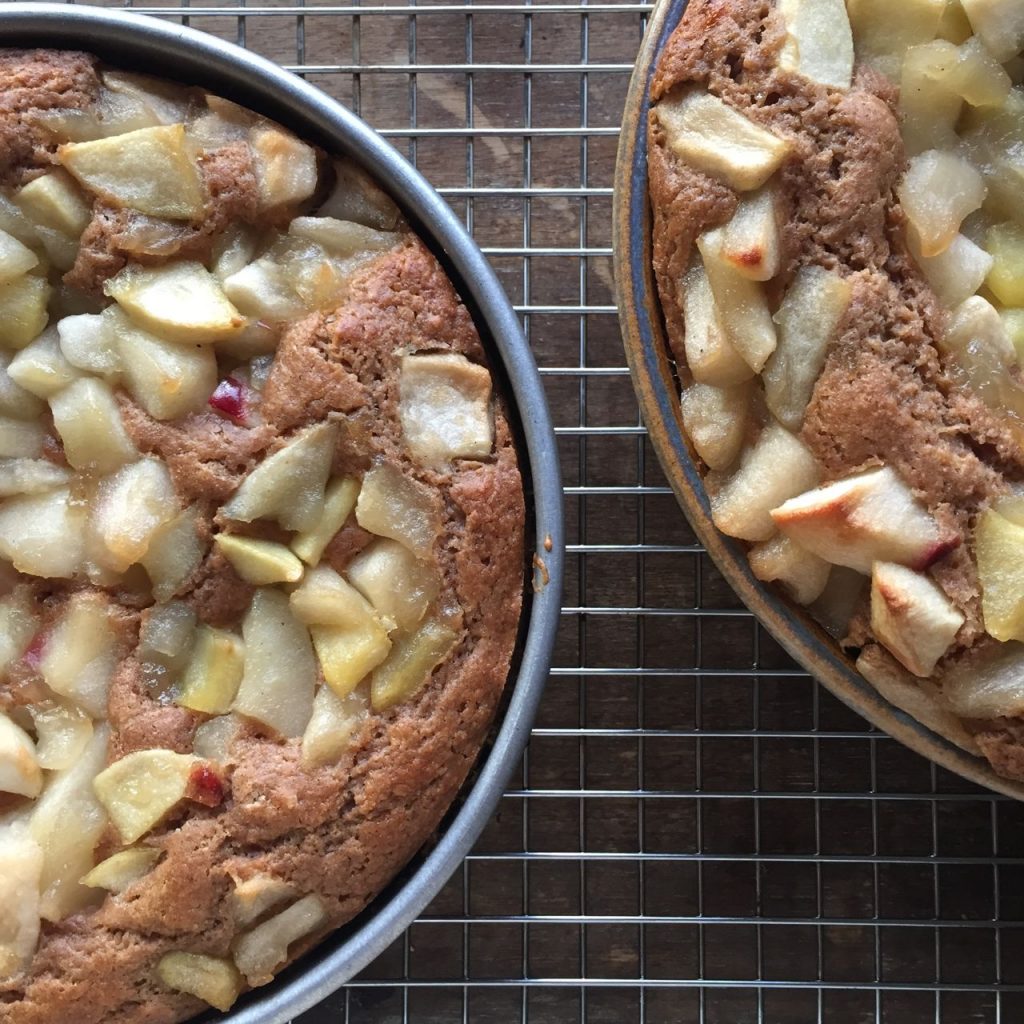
{"points": [[698, 832]]}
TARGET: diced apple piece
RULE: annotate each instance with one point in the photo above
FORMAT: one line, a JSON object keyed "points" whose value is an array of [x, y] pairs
{"points": [[324, 598], [252, 896], [175, 552], [393, 505], [41, 367], [342, 239], [263, 289], [710, 355], [213, 739], [333, 724], [180, 301], [234, 249], [356, 197], [88, 341], [259, 952], [21, 865], [410, 664], [19, 770], [400, 586], [123, 869], [808, 319], [67, 822], [445, 408], [15, 259], [937, 192], [777, 467], [23, 310], [986, 685], [883, 32], [21, 438], [285, 167], [1013, 325], [129, 509], [868, 518], [999, 24], [834, 609], [715, 420], [259, 561], [1006, 278], [15, 401], [957, 273], [89, 423], [741, 303], [15, 223], [783, 561], [166, 638], [79, 657], [928, 104], [142, 788], [167, 379], [912, 617], [211, 978], [43, 534], [54, 201], [158, 101], [214, 672], [719, 140], [289, 484], [339, 502], [63, 731], [978, 76], [819, 42], [280, 667], [750, 239], [19, 623], [999, 544], [149, 170]]}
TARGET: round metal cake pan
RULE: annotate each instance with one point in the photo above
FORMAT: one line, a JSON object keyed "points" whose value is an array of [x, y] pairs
{"points": [[140, 43], [657, 388]]}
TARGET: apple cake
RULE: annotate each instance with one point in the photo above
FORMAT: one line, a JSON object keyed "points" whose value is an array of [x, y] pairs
{"points": [[261, 544], [837, 194]]}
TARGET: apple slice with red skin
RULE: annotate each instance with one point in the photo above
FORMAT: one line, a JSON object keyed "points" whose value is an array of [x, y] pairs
{"points": [[868, 518], [912, 617]]}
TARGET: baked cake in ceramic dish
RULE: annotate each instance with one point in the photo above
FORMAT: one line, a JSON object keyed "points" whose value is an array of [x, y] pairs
{"points": [[838, 231], [261, 544]]}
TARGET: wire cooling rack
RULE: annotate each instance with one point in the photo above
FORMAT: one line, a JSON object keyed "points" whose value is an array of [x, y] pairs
{"points": [[699, 833]]}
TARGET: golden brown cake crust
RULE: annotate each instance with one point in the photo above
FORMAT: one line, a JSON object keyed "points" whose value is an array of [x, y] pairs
{"points": [[340, 831], [884, 395]]}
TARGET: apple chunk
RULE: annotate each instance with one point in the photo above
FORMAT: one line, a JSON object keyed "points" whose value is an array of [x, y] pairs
{"points": [[719, 140], [259, 952], [810, 314], [280, 667], [63, 731], [285, 167], [43, 534], [175, 552], [445, 408], [289, 485], [339, 502], [180, 301], [819, 42], [777, 467], [782, 560], [715, 420], [213, 673], [400, 586], [258, 893], [148, 170], [259, 562], [23, 310], [19, 770], [334, 722], [864, 519], [911, 616], [937, 192], [394, 505], [15, 259], [986, 684], [750, 240], [41, 368], [89, 423], [211, 978], [999, 545], [21, 865], [411, 663], [123, 869], [142, 788], [999, 24]]}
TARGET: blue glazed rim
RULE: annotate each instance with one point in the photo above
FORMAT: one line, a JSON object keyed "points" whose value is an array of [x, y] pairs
{"points": [[652, 370], [178, 53]]}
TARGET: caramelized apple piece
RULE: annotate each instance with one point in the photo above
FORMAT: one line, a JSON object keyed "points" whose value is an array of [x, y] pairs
{"points": [[719, 140], [783, 561], [142, 788], [400, 586], [285, 167], [210, 978], [259, 562], [259, 952], [393, 505], [280, 667], [356, 197], [445, 408], [21, 865], [999, 544], [67, 822], [334, 722], [123, 869], [252, 896], [957, 273], [148, 170], [289, 485], [214, 672], [339, 501], [819, 42], [410, 664], [342, 239], [750, 240], [937, 192], [19, 769], [715, 420]]}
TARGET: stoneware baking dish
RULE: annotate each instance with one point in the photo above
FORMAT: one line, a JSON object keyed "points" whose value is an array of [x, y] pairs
{"points": [[657, 388], [139, 43]]}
